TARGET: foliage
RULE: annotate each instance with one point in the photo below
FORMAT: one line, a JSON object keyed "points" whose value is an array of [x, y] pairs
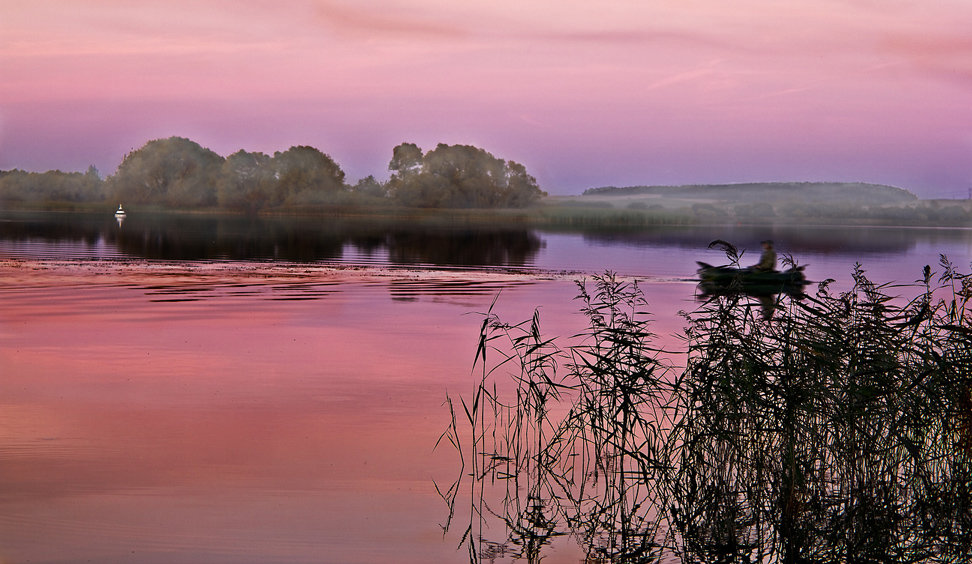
{"points": [[840, 431], [246, 182], [304, 175], [51, 186], [178, 172], [830, 434], [564, 448], [173, 171], [459, 176], [406, 158], [370, 187]]}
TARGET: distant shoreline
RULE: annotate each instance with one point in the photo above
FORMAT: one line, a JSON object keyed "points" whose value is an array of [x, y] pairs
{"points": [[633, 207], [768, 203]]}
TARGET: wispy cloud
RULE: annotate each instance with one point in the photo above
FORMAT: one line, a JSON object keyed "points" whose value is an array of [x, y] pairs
{"points": [[429, 20], [501, 69], [677, 78], [358, 20], [947, 56]]}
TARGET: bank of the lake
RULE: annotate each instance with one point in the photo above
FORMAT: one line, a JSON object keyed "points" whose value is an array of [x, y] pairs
{"points": [[624, 208]]}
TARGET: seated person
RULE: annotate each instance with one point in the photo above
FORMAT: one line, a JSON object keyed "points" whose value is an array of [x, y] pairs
{"points": [[767, 261]]}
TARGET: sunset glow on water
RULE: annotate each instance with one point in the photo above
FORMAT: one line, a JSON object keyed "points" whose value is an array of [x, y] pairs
{"points": [[254, 411], [255, 362], [235, 427], [167, 417]]}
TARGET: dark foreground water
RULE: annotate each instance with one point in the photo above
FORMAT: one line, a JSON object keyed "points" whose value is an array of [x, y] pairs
{"points": [[181, 389]]}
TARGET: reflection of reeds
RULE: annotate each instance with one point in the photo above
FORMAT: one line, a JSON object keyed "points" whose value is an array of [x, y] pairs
{"points": [[840, 431]]}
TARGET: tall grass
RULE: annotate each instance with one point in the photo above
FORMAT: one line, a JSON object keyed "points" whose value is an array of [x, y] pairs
{"points": [[840, 431]]}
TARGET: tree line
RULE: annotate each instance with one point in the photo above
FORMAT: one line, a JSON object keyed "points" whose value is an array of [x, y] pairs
{"points": [[51, 186], [177, 172]]}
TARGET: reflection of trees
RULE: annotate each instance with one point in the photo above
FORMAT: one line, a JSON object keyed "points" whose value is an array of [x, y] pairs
{"points": [[861, 241], [186, 237], [838, 432], [56, 226], [198, 237], [191, 238], [468, 247]]}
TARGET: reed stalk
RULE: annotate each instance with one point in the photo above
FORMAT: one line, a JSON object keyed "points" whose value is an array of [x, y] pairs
{"points": [[838, 431]]}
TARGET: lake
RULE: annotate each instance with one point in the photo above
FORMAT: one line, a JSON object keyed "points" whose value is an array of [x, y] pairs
{"points": [[197, 389]]}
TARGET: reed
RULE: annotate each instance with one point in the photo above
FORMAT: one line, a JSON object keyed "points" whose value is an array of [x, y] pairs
{"points": [[839, 431]]}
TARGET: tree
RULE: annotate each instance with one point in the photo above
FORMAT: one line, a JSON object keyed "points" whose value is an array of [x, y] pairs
{"points": [[406, 158], [521, 188], [306, 176], [51, 186], [369, 186], [92, 174], [459, 176], [246, 181], [173, 171]]}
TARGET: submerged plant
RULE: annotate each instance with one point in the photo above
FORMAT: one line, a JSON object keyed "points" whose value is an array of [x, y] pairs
{"points": [[839, 431]]}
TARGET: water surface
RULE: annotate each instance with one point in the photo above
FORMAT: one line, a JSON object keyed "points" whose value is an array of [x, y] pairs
{"points": [[201, 392]]}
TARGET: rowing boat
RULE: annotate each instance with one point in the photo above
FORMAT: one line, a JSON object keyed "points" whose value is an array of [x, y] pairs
{"points": [[722, 279]]}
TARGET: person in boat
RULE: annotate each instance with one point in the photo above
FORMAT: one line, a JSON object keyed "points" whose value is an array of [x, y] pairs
{"points": [[767, 260]]}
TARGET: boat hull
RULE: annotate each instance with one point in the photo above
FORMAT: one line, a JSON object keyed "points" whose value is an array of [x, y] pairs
{"points": [[727, 279]]}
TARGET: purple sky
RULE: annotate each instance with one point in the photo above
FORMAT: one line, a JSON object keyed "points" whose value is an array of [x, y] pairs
{"points": [[582, 93]]}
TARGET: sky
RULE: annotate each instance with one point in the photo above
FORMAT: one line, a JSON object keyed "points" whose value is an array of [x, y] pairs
{"points": [[584, 94]]}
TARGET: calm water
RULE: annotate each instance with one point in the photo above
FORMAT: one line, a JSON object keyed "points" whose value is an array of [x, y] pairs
{"points": [[191, 390]]}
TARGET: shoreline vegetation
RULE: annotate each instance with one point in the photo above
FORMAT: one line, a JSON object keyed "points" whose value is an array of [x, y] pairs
{"points": [[839, 431], [449, 184]]}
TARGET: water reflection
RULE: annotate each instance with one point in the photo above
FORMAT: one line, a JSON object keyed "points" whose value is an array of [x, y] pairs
{"points": [[456, 290], [467, 247], [860, 241], [765, 287], [199, 237], [237, 412], [213, 410], [654, 251]]}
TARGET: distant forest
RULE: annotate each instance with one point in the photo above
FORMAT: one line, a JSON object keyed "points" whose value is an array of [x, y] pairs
{"points": [[179, 173]]}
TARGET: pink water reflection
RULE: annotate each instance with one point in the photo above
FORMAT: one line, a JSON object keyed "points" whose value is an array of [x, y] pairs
{"points": [[163, 415]]}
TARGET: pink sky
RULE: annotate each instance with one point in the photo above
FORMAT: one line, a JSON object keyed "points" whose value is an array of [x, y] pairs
{"points": [[583, 93]]}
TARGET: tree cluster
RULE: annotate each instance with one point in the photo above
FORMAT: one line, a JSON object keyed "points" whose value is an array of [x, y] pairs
{"points": [[459, 176], [177, 172], [18, 186]]}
